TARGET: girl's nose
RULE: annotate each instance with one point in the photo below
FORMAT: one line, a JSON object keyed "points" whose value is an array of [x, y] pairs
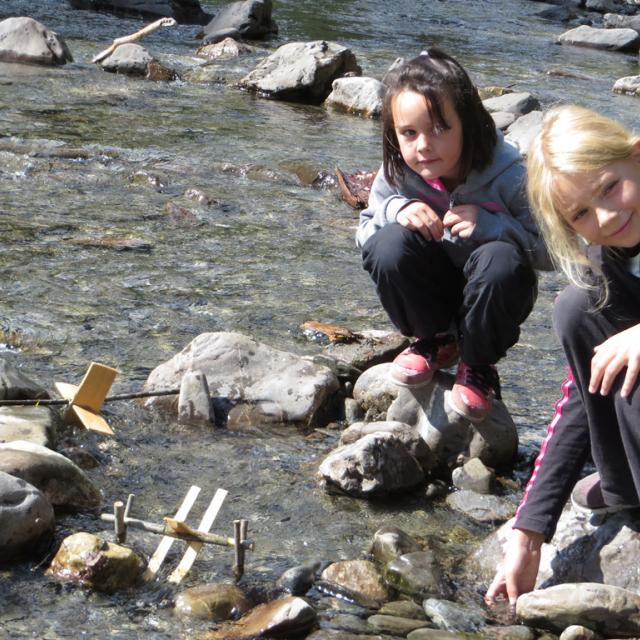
{"points": [[605, 215], [423, 142]]}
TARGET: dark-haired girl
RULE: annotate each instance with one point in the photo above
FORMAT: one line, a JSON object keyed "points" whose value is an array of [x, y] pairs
{"points": [[447, 236]]}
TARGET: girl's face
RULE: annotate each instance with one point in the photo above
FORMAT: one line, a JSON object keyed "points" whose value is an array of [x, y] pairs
{"points": [[430, 152], [603, 206]]}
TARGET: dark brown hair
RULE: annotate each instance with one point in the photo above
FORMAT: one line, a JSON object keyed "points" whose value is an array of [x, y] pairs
{"points": [[437, 76]]}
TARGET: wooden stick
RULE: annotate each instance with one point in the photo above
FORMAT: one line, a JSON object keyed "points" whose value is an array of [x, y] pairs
{"points": [[145, 31], [192, 551], [127, 509], [31, 402], [166, 542], [119, 525]]}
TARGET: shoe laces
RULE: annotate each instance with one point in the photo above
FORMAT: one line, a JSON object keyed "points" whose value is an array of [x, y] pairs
{"points": [[483, 377]]}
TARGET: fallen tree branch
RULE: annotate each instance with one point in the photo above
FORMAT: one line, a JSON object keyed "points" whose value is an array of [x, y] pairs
{"points": [[145, 31]]}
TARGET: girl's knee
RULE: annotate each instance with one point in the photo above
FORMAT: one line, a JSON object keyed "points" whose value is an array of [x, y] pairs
{"points": [[501, 262], [394, 248]]}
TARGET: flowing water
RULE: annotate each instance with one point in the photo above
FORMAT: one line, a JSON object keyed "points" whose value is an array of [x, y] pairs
{"points": [[269, 253]]}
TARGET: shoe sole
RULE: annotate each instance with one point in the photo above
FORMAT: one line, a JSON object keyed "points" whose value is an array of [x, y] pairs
{"points": [[464, 413], [410, 385]]}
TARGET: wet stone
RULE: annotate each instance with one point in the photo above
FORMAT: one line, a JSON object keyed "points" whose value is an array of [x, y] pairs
{"points": [[298, 580], [509, 632], [31, 424], [358, 576], [395, 625], [89, 560], [474, 476], [416, 574], [455, 617], [403, 609], [217, 602], [435, 634], [194, 401], [578, 632], [480, 507], [390, 543], [334, 634], [345, 622]]}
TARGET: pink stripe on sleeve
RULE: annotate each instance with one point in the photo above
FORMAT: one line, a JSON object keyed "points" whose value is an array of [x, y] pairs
{"points": [[550, 432]]}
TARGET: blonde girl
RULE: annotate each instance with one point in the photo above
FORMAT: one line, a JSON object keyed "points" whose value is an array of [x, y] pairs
{"points": [[584, 186]]}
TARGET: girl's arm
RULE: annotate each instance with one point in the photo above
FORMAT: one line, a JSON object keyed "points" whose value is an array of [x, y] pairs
{"points": [[384, 205]]}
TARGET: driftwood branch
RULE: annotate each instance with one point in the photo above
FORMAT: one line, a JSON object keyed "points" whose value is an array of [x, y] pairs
{"points": [[145, 31]]}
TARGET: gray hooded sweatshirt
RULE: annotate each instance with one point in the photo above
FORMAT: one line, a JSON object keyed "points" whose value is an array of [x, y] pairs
{"points": [[499, 191]]}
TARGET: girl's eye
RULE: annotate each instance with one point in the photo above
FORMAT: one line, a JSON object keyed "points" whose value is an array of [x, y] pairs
{"points": [[578, 215], [409, 133], [610, 186]]}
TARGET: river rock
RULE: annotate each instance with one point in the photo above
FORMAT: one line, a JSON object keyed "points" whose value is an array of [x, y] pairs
{"points": [[26, 40], [474, 476], [26, 517], [359, 577], [517, 103], [523, 131], [447, 434], [184, 11], [480, 507], [63, 482], [274, 385], [15, 385], [435, 634], [31, 424], [223, 50], [375, 465], [339, 634], [217, 602], [583, 549], [194, 401], [134, 60], [403, 609], [298, 580], [408, 435], [503, 119], [285, 618], [616, 21], [628, 84], [301, 71], [416, 574], [91, 561], [362, 96], [578, 632], [390, 543], [249, 20], [610, 611], [370, 347], [610, 39], [455, 617], [395, 625]]}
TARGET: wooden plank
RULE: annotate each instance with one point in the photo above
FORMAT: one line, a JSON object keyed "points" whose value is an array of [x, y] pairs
{"points": [[193, 549], [66, 390], [94, 387], [91, 421], [165, 544]]}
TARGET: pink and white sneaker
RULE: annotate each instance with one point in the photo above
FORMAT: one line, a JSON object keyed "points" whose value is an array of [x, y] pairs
{"points": [[416, 365], [473, 390]]}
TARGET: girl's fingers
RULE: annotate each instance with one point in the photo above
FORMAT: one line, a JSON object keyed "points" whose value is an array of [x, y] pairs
{"points": [[630, 379]]}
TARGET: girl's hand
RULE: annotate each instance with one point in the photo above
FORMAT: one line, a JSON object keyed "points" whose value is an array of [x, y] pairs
{"points": [[420, 217], [620, 351], [461, 219], [519, 569]]}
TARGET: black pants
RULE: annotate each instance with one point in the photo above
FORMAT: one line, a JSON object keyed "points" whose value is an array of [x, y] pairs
{"points": [[613, 422], [423, 292]]}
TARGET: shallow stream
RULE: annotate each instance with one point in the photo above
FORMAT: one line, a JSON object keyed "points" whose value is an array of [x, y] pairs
{"points": [[268, 254]]}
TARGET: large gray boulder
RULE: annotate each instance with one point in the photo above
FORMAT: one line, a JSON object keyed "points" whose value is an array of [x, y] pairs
{"points": [[263, 384], [610, 611], [62, 481], [184, 11], [301, 71], [447, 434], [610, 39], [26, 40], [361, 96], [14, 385], [26, 517], [33, 424], [629, 85], [248, 20], [616, 21], [524, 130]]}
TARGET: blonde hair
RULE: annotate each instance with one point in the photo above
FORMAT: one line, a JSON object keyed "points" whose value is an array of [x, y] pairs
{"points": [[573, 140]]}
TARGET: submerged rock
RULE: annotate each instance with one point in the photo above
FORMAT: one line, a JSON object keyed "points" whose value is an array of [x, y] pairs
{"points": [[27, 41], [455, 617], [63, 482], [610, 611], [26, 518], [88, 560], [390, 543], [481, 508], [217, 602], [284, 618], [417, 574], [359, 577], [301, 71], [248, 19], [264, 384]]}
